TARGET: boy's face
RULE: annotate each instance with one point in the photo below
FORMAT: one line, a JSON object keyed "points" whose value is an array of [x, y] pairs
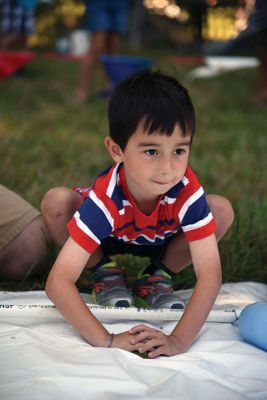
{"points": [[153, 163]]}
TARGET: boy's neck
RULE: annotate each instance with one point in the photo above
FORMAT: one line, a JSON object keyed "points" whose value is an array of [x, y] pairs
{"points": [[147, 206]]}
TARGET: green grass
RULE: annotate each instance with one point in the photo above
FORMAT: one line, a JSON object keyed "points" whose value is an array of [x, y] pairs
{"points": [[47, 140]]}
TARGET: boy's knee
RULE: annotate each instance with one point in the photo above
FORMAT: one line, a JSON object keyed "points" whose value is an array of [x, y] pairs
{"points": [[229, 211], [49, 200], [59, 201], [223, 213]]}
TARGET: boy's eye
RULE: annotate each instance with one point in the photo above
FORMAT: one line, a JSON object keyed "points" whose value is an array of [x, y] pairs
{"points": [[151, 152], [179, 152]]}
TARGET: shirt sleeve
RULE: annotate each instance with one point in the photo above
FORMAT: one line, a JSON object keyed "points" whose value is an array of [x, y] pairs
{"points": [[195, 217], [93, 221], [198, 221]]}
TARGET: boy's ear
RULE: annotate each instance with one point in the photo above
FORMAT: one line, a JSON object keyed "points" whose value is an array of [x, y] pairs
{"points": [[114, 149]]}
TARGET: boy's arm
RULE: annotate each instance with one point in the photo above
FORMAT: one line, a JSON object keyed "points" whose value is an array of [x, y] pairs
{"points": [[207, 266], [62, 291]]}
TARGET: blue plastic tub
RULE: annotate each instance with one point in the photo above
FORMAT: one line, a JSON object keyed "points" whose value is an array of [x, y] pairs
{"points": [[120, 67]]}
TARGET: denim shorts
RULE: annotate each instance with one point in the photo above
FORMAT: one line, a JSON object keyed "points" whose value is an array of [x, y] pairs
{"points": [[107, 15], [16, 19]]}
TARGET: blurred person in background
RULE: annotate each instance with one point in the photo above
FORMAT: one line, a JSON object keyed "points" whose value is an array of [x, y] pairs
{"points": [[198, 15], [107, 21], [252, 40], [24, 239], [17, 22], [198, 10]]}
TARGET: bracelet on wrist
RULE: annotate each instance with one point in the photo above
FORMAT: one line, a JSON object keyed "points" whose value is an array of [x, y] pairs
{"points": [[110, 341]]}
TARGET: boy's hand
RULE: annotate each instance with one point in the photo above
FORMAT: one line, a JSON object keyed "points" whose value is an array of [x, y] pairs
{"points": [[155, 342], [123, 341]]}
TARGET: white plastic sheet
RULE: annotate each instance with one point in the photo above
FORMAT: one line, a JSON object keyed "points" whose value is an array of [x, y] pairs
{"points": [[215, 66], [44, 358]]}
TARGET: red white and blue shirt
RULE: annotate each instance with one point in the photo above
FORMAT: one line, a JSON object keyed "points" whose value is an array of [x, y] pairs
{"points": [[110, 210]]}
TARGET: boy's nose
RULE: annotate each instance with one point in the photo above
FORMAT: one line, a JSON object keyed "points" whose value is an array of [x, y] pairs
{"points": [[166, 166]]}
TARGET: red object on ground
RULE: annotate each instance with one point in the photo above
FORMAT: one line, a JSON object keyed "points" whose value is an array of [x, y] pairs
{"points": [[184, 60], [13, 61]]}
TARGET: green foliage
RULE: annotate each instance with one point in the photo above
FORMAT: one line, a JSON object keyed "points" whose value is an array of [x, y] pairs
{"points": [[47, 140]]}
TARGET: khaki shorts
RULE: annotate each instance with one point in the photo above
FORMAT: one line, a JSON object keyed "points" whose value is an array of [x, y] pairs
{"points": [[15, 215]]}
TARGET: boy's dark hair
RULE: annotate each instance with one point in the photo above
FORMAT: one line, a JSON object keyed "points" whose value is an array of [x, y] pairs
{"points": [[158, 100]]}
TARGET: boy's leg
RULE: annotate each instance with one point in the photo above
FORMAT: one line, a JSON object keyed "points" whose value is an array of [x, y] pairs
{"points": [[154, 285], [58, 206], [177, 255], [109, 281]]}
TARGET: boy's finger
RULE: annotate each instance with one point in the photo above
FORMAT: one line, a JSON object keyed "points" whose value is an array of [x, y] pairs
{"points": [[155, 352], [137, 328], [143, 336], [148, 346], [139, 338], [149, 337]]}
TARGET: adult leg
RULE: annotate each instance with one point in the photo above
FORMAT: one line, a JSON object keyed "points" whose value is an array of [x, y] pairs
{"points": [[97, 47], [112, 42], [111, 48], [177, 255], [27, 254]]}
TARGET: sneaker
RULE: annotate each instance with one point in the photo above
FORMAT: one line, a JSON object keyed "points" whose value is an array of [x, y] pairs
{"points": [[156, 291], [109, 287]]}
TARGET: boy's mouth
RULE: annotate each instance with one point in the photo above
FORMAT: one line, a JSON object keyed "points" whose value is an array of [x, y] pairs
{"points": [[163, 183]]}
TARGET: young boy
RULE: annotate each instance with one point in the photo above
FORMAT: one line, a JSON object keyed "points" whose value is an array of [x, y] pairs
{"points": [[149, 203]]}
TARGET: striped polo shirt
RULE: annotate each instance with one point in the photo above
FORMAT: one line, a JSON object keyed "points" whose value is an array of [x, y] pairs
{"points": [[110, 210]]}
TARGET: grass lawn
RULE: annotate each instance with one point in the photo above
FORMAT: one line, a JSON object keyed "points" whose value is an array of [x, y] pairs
{"points": [[47, 140]]}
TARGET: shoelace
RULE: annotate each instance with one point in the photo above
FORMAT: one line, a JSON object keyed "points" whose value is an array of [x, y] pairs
{"points": [[99, 286], [153, 284], [101, 281]]}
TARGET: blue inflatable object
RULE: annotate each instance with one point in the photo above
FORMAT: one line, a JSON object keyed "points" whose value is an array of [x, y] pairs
{"points": [[120, 67], [253, 324]]}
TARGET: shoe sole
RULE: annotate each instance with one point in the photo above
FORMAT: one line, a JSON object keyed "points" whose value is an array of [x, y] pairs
{"points": [[119, 303], [141, 303]]}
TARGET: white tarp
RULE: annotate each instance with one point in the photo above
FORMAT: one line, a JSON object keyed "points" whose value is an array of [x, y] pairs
{"points": [[44, 358], [217, 65]]}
